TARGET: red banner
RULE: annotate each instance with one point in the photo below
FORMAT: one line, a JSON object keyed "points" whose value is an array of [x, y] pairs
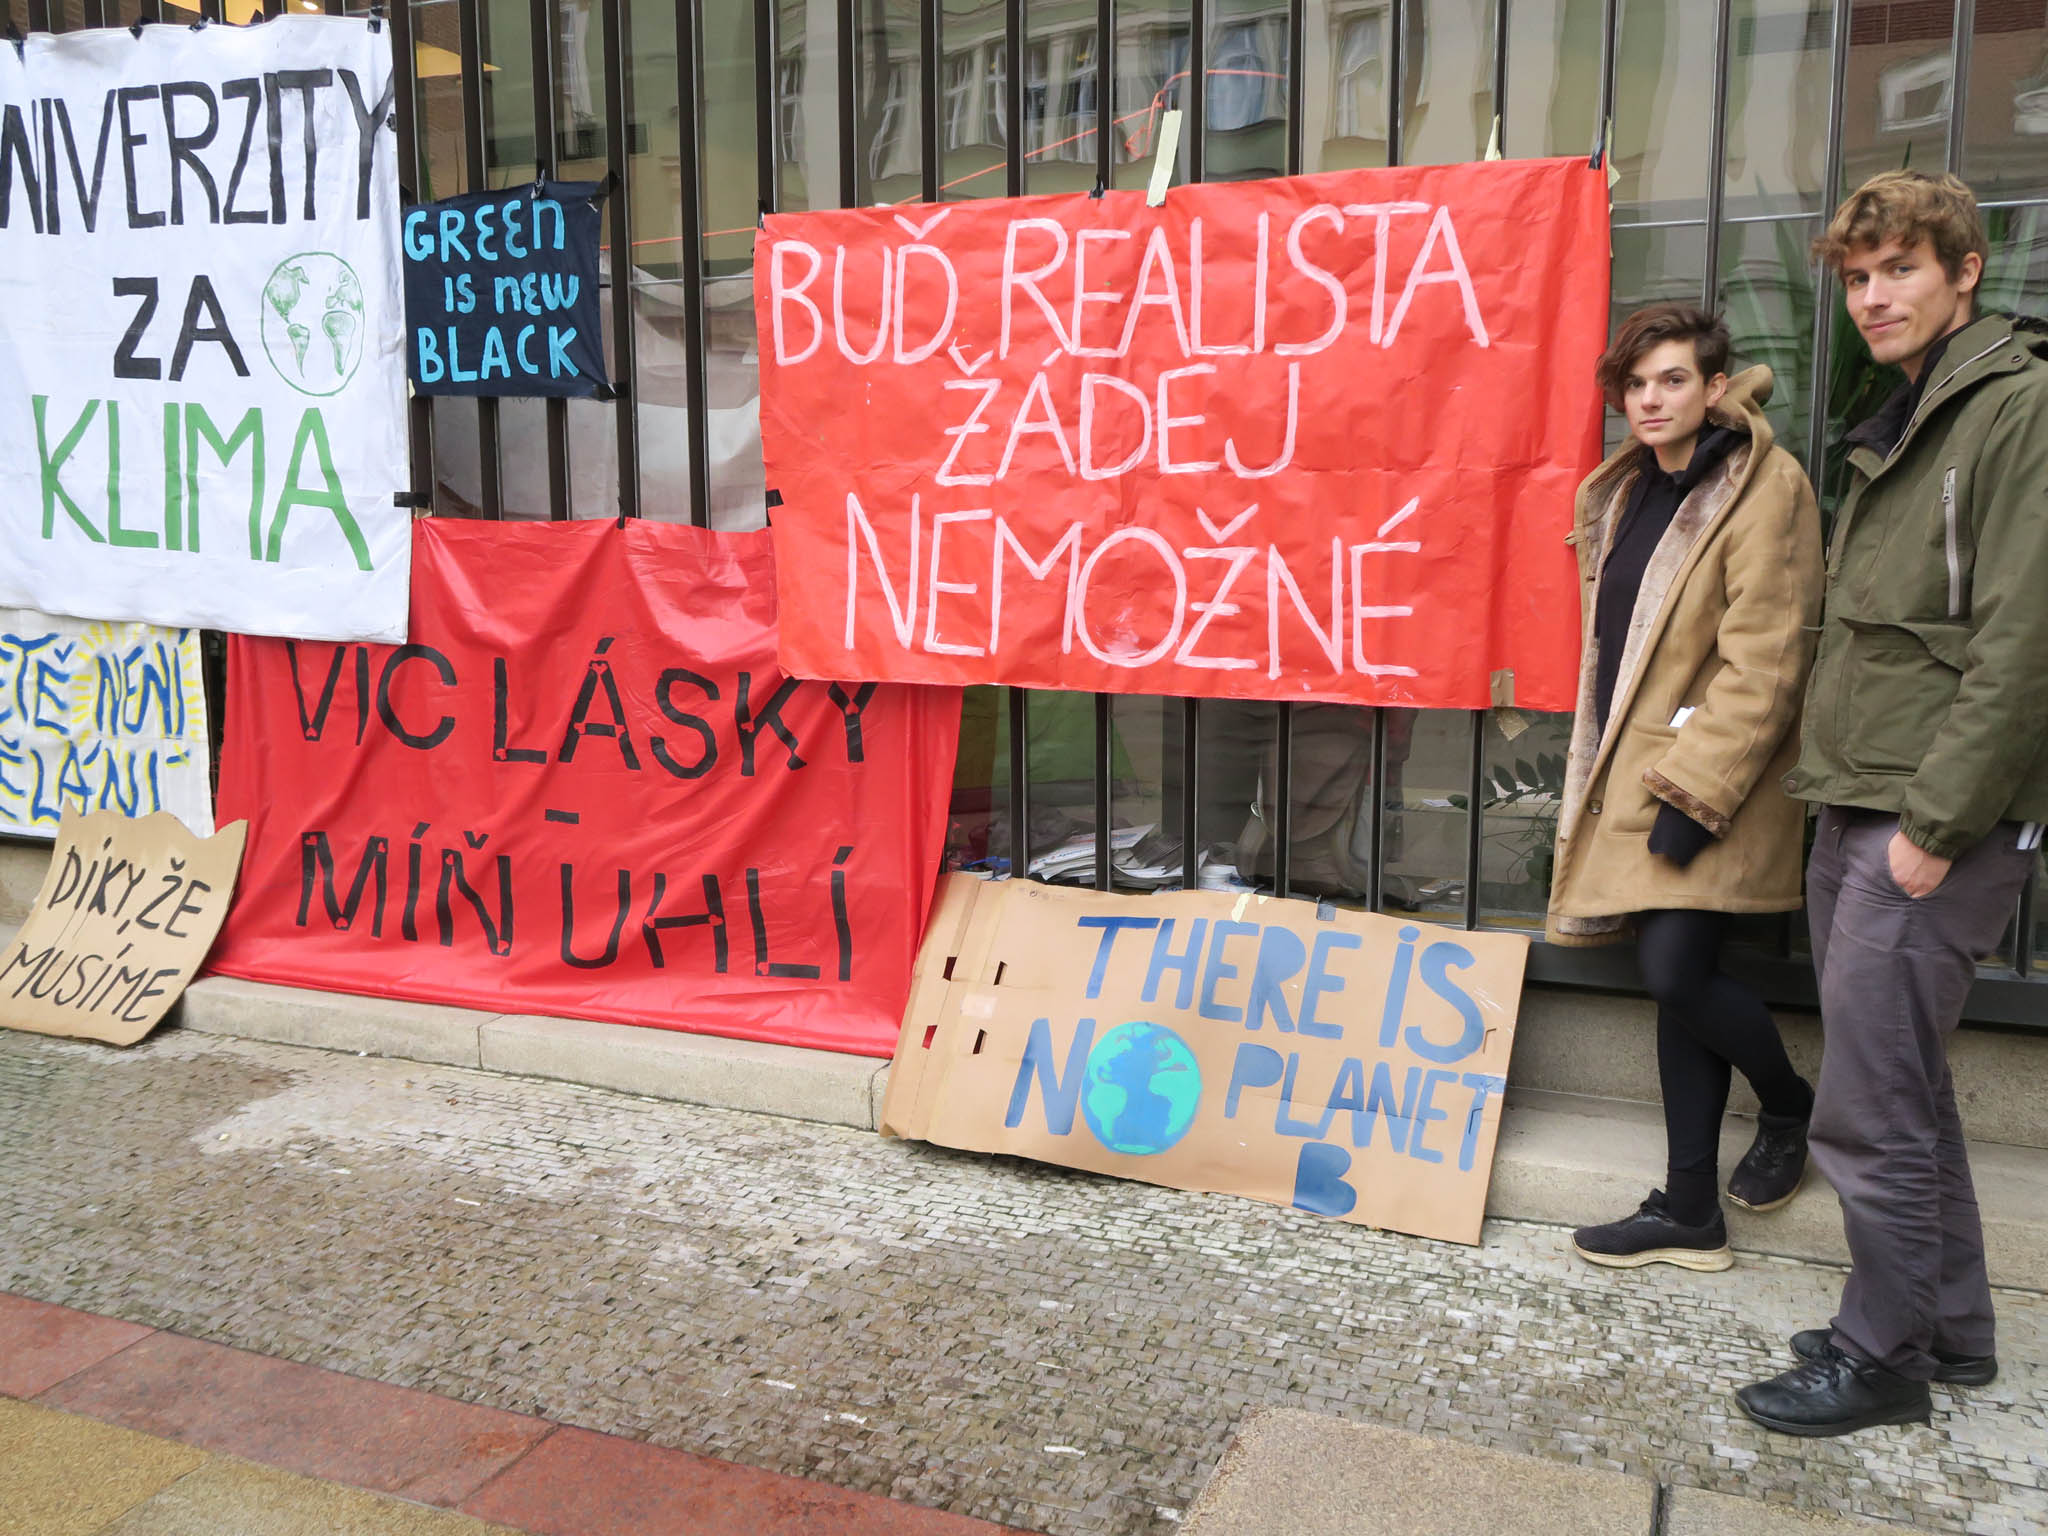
{"points": [[1313, 438], [586, 789]]}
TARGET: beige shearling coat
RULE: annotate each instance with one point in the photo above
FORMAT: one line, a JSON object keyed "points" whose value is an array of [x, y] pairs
{"points": [[1724, 628]]}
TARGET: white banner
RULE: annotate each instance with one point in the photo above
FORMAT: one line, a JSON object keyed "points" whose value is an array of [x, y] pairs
{"points": [[99, 717], [202, 349]]}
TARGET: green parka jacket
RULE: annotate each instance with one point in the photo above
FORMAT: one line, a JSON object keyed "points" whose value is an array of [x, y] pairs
{"points": [[1929, 692]]}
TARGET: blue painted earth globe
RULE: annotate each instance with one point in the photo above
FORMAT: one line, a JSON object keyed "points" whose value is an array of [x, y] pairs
{"points": [[1140, 1089]]}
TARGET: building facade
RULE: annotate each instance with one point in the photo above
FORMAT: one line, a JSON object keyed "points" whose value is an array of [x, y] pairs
{"points": [[1731, 127]]}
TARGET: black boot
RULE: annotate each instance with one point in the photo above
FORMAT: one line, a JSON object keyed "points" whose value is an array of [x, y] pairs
{"points": [[1950, 1370], [1771, 1170], [1834, 1394], [1654, 1236]]}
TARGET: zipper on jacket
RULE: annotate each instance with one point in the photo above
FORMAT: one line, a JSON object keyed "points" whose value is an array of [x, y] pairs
{"points": [[1955, 563], [1927, 400]]}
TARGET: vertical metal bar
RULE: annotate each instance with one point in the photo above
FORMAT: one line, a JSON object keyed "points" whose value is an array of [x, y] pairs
{"points": [[469, 40], [96, 11], [404, 98], [1717, 155], [1397, 30], [39, 15], [767, 105], [1105, 90], [1375, 868], [1190, 798], [1105, 809], [1297, 130], [1961, 41], [2023, 937], [1822, 345], [1013, 94], [1020, 789], [541, 25], [848, 56], [618, 154], [1475, 795], [1195, 89], [690, 226], [1500, 70], [930, 74], [1283, 801], [1610, 26]]}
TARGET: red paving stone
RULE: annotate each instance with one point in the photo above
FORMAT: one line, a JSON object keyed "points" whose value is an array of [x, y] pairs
{"points": [[41, 1344], [300, 1418], [578, 1483]]}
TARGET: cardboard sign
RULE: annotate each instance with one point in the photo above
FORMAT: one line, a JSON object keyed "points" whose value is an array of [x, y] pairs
{"points": [[1338, 1062], [501, 293], [1313, 438], [100, 717], [125, 916], [586, 789], [202, 367]]}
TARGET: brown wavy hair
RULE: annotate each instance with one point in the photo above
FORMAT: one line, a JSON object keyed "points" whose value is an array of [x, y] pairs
{"points": [[1909, 207], [1650, 327]]}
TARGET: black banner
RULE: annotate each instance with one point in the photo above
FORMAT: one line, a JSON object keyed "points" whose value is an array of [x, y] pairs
{"points": [[501, 293]]}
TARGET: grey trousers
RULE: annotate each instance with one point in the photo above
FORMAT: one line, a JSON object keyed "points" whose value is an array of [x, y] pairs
{"points": [[1893, 975]]}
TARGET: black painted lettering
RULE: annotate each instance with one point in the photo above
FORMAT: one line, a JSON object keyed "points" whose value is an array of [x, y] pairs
{"points": [[127, 365]]}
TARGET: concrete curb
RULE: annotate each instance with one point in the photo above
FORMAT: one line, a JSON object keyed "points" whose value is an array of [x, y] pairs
{"points": [[1291, 1473], [661, 1064]]}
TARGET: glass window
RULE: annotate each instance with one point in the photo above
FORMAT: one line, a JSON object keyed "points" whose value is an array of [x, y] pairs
{"points": [[1779, 70], [1238, 757], [1521, 785], [2005, 140], [1767, 296], [1344, 103], [1897, 89], [1553, 100], [1245, 110], [1427, 757], [890, 149], [807, 104], [1663, 108], [1151, 79], [1447, 101]]}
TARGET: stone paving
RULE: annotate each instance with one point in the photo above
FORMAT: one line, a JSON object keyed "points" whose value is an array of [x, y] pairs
{"points": [[1023, 1344]]}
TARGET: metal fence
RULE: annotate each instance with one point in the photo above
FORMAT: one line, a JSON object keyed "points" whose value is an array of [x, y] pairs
{"points": [[1731, 128]]}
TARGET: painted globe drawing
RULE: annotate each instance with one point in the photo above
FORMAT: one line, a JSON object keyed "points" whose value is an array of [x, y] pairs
{"points": [[1140, 1089], [313, 322]]}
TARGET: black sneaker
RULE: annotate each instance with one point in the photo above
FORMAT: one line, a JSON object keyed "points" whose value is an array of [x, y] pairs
{"points": [[1835, 1394], [1950, 1370], [1770, 1172], [1651, 1236]]}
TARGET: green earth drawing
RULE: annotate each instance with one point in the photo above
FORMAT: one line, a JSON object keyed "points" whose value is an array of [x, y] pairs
{"points": [[313, 322], [1140, 1089]]}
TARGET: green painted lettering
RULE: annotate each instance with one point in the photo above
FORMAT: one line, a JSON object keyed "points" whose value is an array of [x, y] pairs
{"points": [[53, 468], [313, 430]]}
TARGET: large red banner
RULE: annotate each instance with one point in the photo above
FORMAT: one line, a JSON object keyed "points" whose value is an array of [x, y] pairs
{"points": [[585, 788], [1313, 438]]}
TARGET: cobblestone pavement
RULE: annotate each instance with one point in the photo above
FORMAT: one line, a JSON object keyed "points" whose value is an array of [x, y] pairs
{"points": [[1023, 1344]]}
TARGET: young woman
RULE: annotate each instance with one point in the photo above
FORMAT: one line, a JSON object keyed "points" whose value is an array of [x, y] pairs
{"points": [[1700, 555]]}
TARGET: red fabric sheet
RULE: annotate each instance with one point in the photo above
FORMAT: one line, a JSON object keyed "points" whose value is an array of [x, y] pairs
{"points": [[588, 718], [1313, 438]]}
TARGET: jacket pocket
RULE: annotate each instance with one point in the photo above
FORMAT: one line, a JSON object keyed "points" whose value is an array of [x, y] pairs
{"points": [[1898, 681], [1631, 809]]}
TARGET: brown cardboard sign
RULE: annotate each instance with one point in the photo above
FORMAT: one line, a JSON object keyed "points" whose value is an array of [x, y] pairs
{"points": [[1335, 1061], [126, 914]]}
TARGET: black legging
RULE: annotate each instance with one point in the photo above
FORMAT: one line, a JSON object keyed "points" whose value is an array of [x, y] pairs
{"points": [[1706, 1022]]}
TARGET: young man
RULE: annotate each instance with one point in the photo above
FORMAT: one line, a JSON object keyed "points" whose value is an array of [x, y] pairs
{"points": [[1926, 748]]}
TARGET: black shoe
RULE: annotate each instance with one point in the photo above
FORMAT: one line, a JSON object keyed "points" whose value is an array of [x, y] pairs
{"points": [[1770, 1172], [1950, 1370], [1834, 1394], [1651, 1236]]}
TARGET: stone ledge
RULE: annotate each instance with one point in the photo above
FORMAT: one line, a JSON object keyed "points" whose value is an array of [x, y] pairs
{"points": [[1570, 1161], [698, 1069], [332, 1021]]}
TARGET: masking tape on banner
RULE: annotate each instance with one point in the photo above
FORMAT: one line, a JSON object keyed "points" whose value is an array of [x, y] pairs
{"points": [[1163, 160]]}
